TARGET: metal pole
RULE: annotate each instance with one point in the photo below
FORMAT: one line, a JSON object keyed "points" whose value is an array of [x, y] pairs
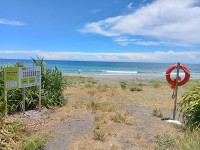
{"points": [[39, 98], [6, 113], [24, 101], [176, 90]]}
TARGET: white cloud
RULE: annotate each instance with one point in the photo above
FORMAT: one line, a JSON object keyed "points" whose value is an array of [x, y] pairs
{"points": [[129, 5], [158, 56], [95, 10], [171, 22], [10, 22]]}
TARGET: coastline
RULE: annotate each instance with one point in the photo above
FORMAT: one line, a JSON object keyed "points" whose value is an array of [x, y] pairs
{"points": [[123, 77], [116, 77]]}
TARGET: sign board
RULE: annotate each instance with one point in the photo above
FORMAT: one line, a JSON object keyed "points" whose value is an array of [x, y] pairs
{"points": [[29, 76], [21, 77], [11, 78]]}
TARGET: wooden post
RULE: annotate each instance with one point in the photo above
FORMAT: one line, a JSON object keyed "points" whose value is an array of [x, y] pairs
{"points": [[24, 100], [39, 98], [6, 113], [176, 90]]}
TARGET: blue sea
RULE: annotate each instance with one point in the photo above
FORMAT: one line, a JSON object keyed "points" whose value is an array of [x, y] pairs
{"points": [[113, 68]]}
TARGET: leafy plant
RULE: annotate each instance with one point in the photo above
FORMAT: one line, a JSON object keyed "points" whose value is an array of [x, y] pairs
{"points": [[190, 107]]}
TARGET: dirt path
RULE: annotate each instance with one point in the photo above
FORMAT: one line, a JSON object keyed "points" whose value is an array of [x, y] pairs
{"points": [[66, 132], [145, 130]]}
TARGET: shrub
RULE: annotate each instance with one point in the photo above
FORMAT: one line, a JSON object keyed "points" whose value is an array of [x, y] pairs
{"points": [[123, 84], [190, 107], [52, 88], [36, 142], [135, 88]]}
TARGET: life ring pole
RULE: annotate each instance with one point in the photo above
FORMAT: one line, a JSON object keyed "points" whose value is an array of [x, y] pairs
{"points": [[176, 90]]}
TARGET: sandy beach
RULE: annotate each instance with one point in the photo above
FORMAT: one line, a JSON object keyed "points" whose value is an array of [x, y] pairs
{"points": [[115, 77]]}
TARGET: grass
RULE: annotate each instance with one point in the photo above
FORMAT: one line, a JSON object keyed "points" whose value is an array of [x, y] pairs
{"points": [[165, 142], [122, 117], [35, 142], [190, 140], [98, 135], [187, 140], [135, 88], [11, 133], [112, 121], [80, 81], [157, 112]]}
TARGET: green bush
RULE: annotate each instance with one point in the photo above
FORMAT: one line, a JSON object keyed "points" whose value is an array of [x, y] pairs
{"points": [[36, 142], [190, 107], [52, 88], [123, 84], [135, 88]]}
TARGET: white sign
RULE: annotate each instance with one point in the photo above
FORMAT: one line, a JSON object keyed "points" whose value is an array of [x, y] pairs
{"points": [[29, 76]]}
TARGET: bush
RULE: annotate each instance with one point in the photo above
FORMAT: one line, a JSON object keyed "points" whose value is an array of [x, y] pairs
{"points": [[135, 88], [52, 88], [123, 84], [36, 142], [190, 107]]}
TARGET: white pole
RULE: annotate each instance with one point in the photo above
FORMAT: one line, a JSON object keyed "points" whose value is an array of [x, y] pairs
{"points": [[6, 113], [39, 98], [176, 90], [24, 100]]}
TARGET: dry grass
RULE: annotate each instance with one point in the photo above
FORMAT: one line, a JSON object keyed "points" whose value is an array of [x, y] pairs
{"points": [[112, 121]]}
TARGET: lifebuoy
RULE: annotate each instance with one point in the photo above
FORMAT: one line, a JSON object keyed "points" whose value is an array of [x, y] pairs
{"points": [[184, 81]]}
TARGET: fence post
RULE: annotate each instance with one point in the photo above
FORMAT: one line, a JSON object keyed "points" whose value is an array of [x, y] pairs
{"points": [[5, 97], [176, 90], [39, 98], [24, 100]]}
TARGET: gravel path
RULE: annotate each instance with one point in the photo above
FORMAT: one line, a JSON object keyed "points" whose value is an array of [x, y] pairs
{"points": [[146, 127], [66, 132]]}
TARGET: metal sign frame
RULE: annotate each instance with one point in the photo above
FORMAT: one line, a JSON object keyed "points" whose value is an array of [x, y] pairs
{"points": [[22, 77]]}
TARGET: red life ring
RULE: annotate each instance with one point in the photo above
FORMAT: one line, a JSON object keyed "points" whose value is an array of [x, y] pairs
{"points": [[185, 80]]}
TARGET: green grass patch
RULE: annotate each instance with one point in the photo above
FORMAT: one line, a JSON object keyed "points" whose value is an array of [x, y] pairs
{"points": [[165, 142], [98, 135], [73, 81], [35, 142]]}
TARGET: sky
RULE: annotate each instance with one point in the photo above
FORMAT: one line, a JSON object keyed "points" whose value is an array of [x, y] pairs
{"points": [[101, 30]]}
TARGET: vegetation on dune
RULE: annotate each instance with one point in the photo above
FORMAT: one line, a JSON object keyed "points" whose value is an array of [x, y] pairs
{"points": [[190, 107], [102, 100], [11, 132], [52, 90], [53, 84], [80, 81]]}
